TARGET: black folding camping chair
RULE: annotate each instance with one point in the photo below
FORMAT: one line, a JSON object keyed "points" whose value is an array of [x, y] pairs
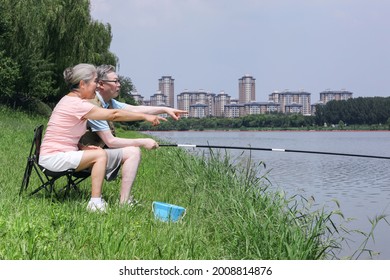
{"points": [[48, 178]]}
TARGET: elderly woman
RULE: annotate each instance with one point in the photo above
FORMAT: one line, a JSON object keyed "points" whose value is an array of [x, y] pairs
{"points": [[67, 123]]}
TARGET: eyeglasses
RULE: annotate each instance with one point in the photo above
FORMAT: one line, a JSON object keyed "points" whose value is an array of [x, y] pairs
{"points": [[117, 81]]}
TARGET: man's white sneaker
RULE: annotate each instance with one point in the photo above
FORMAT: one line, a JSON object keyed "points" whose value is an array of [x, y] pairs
{"points": [[101, 207], [132, 202]]}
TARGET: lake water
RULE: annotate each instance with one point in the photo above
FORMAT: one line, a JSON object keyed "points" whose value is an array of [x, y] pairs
{"points": [[360, 185]]}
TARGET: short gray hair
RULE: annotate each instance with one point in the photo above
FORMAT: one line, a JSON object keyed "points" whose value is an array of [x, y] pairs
{"points": [[80, 72], [103, 70]]}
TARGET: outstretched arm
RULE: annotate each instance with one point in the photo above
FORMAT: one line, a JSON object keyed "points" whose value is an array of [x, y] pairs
{"points": [[174, 113], [115, 142], [98, 113]]}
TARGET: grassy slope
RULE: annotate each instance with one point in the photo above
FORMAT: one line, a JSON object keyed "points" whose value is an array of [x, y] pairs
{"points": [[229, 213]]}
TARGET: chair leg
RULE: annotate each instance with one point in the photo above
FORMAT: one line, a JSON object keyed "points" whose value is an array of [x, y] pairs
{"points": [[71, 184], [26, 176], [48, 182], [44, 186], [74, 184]]}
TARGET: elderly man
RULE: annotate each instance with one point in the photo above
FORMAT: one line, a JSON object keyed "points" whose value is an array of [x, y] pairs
{"points": [[102, 134]]}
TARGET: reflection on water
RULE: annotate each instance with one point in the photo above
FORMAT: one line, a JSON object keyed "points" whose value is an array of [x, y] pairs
{"points": [[360, 185]]}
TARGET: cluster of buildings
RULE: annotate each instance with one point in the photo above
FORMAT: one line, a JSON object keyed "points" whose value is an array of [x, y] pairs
{"points": [[200, 104]]}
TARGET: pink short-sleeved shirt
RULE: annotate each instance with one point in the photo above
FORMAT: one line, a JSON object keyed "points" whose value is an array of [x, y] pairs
{"points": [[66, 125]]}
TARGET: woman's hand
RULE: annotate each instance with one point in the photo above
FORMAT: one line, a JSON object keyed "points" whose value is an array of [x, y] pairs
{"points": [[154, 120]]}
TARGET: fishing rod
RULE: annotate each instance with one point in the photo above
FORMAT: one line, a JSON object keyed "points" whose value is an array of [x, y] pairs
{"points": [[270, 150]]}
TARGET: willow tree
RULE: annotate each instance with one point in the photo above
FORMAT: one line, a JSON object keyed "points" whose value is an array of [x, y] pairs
{"points": [[22, 33], [73, 37], [43, 37]]}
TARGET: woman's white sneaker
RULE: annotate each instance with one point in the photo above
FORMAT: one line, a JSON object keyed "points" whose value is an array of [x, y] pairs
{"points": [[96, 206]]}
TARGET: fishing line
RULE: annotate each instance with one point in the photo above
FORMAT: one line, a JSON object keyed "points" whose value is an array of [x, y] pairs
{"points": [[270, 150]]}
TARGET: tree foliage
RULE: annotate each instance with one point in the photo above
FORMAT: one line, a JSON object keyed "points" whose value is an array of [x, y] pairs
{"points": [[125, 91], [259, 121], [40, 38], [354, 111], [9, 73]]}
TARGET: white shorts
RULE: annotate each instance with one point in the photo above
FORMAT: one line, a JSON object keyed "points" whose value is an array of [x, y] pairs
{"points": [[70, 160], [61, 161]]}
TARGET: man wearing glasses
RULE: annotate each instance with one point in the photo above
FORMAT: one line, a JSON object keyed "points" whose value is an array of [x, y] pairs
{"points": [[101, 134]]}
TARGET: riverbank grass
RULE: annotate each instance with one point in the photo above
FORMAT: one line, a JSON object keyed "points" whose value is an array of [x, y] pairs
{"points": [[231, 214]]}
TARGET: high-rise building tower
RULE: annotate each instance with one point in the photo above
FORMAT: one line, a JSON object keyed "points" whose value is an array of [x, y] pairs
{"points": [[246, 89], [221, 100], [166, 87]]}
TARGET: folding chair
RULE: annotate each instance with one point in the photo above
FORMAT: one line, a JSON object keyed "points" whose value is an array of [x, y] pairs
{"points": [[47, 177]]}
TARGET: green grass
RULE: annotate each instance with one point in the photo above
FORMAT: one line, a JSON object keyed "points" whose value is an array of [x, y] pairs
{"points": [[231, 214]]}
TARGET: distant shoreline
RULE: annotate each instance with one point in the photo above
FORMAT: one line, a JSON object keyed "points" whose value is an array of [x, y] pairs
{"points": [[271, 130]]}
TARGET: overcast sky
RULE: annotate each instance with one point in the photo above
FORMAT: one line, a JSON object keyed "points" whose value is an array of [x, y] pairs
{"points": [[311, 45]]}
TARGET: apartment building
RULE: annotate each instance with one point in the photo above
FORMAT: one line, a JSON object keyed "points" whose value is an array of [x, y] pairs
{"points": [[255, 108], [167, 88], [220, 100], [246, 89], [187, 98], [233, 110], [288, 98], [294, 108], [139, 99], [199, 111], [158, 99], [329, 95]]}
